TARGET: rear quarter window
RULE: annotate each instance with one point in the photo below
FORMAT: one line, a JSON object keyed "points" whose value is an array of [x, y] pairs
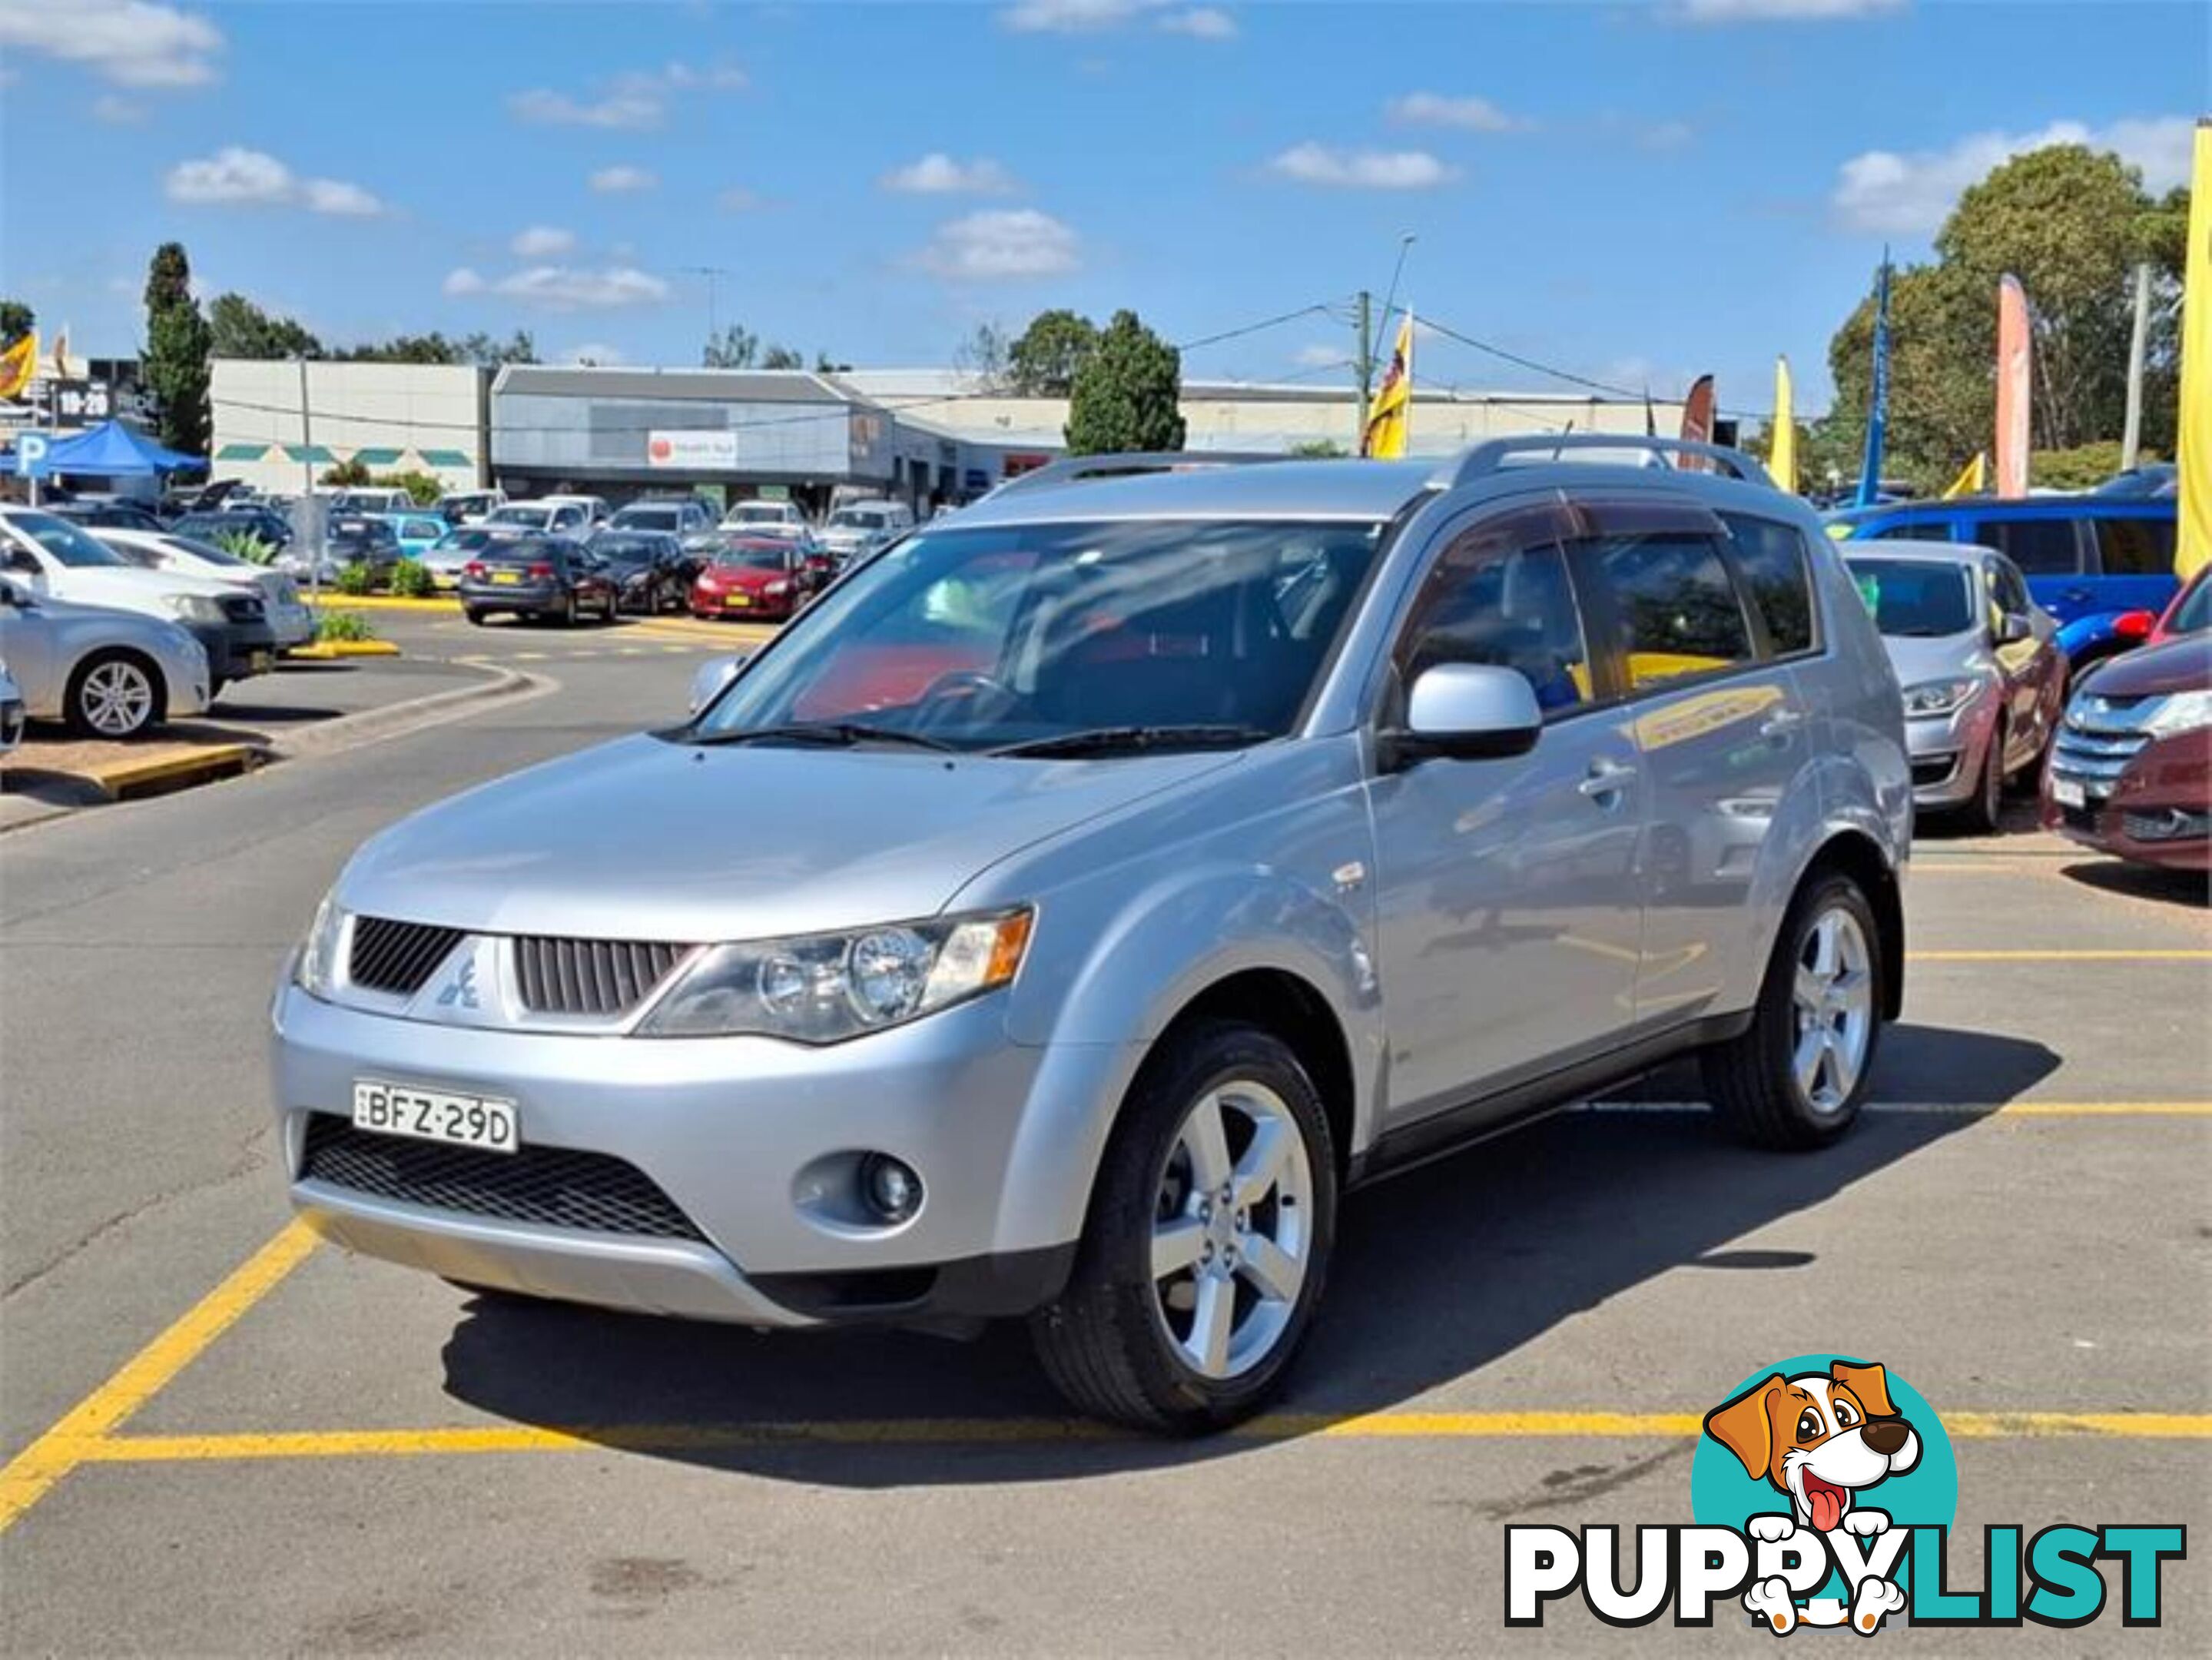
{"points": [[1771, 559], [2041, 547], [2134, 547]]}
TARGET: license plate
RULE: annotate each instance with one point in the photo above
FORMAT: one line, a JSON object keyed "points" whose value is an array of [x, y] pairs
{"points": [[506, 579], [738, 601], [460, 1121], [2068, 793]]}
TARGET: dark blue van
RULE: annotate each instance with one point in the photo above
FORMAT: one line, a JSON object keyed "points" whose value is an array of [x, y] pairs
{"points": [[2089, 560]]}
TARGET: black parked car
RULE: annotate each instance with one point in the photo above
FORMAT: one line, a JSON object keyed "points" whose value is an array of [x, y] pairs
{"points": [[265, 524], [361, 539], [105, 514], [650, 569], [538, 576]]}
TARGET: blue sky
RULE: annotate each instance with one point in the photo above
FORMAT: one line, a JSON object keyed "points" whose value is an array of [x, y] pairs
{"points": [[1626, 190]]}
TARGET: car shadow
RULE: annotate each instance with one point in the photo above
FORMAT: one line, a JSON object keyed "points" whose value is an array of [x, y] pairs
{"points": [[2191, 889], [1438, 1272]]}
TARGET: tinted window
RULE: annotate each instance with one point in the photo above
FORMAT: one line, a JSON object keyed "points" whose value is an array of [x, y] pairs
{"points": [[1771, 560], [2041, 547], [1490, 601], [2134, 547], [1909, 533], [1678, 613], [2194, 614], [1915, 599]]}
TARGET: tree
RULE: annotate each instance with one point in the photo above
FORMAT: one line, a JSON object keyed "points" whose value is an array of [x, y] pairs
{"points": [[16, 320], [824, 366], [176, 361], [1044, 361], [1319, 449], [482, 348], [351, 473], [734, 348], [1126, 393], [238, 328], [781, 357], [982, 356]]}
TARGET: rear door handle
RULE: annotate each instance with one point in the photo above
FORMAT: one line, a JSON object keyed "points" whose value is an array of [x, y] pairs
{"points": [[1607, 780]]}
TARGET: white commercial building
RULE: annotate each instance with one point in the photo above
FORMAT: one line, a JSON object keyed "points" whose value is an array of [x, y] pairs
{"points": [[279, 423]]}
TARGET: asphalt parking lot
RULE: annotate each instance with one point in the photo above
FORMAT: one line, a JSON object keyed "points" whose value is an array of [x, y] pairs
{"points": [[221, 1438]]}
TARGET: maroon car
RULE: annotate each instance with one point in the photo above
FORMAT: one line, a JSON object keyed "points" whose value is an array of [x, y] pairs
{"points": [[751, 576], [2130, 772]]}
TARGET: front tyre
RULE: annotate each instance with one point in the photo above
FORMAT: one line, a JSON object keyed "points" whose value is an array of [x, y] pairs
{"points": [[1798, 1077], [1208, 1239]]}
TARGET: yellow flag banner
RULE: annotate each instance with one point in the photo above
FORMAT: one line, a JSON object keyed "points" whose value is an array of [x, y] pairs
{"points": [[1390, 415], [1973, 478], [1782, 455], [17, 365], [2195, 453]]}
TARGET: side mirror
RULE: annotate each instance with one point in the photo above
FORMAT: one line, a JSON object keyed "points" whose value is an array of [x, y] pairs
{"points": [[1464, 712], [17, 595], [2013, 627], [712, 675]]}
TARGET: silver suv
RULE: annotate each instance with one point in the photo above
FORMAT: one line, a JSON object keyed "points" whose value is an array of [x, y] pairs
{"points": [[1064, 911]]}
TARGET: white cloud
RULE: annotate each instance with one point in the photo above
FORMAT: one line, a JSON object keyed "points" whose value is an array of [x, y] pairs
{"points": [[622, 181], [133, 43], [1894, 194], [1200, 23], [1317, 164], [939, 174], [737, 199], [1094, 16], [463, 281], [117, 112], [542, 242], [628, 111], [1000, 243], [237, 177], [1786, 11], [1431, 109], [565, 287], [1319, 357]]}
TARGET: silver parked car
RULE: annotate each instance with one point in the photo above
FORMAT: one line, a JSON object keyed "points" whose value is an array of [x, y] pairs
{"points": [[1984, 675], [108, 674], [1056, 919]]}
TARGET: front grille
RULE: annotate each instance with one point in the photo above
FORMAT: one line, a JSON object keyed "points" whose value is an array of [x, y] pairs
{"points": [[551, 1186], [2093, 757], [590, 976], [243, 608], [397, 957]]}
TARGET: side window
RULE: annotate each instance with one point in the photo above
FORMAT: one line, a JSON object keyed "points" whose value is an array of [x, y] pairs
{"points": [[1911, 531], [1771, 560], [1678, 613], [2134, 547], [2009, 587], [2041, 547], [1495, 598]]}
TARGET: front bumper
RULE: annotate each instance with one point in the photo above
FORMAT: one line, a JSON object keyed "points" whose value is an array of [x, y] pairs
{"points": [[2158, 811], [1947, 754], [773, 608], [236, 651], [750, 1138], [291, 625]]}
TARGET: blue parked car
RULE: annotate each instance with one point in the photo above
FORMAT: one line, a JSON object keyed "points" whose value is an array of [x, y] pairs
{"points": [[2091, 561], [418, 532]]}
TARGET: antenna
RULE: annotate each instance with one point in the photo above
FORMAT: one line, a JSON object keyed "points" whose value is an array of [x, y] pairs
{"points": [[710, 272]]}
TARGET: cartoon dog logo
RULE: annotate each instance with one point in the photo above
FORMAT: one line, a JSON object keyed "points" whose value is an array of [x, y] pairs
{"points": [[1820, 1440]]}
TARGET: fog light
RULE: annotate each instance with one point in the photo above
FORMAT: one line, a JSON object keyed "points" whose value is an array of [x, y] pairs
{"points": [[891, 1188]]}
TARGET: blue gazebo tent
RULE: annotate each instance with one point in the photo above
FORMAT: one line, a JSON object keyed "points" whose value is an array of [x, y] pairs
{"points": [[111, 450]]}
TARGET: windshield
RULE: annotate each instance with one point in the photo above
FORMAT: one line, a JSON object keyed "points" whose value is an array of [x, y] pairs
{"points": [[2194, 614], [464, 541], [1914, 598], [629, 549], [76, 549], [650, 518], [753, 559], [993, 636], [207, 551], [763, 513], [859, 518], [535, 518]]}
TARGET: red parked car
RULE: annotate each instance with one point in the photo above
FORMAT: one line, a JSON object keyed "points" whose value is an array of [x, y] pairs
{"points": [[2190, 613], [2130, 771], [754, 577]]}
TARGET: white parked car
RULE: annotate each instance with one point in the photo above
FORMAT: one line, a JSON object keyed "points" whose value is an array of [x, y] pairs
{"points": [[547, 517], [377, 498], [595, 510], [11, 711], [58, 560], [858, 528], [108, 674], [290, 618], [764, 515], [468, 507]]}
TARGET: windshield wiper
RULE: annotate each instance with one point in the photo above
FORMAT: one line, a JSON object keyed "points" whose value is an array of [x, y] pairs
{"points": [[838, 734], [1125, 740]]}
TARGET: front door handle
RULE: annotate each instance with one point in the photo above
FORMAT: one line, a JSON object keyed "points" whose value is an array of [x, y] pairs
{"points": [[1607, 780], [1781, 723]]}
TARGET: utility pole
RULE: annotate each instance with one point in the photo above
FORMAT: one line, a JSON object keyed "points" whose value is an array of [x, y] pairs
{"points": [[2131, 438], [310, 524], [1364, 363], [710, 272]]}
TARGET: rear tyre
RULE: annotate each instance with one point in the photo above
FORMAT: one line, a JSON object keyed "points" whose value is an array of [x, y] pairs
{"points": [[113, 694], [1799, 1076], [1980, 815], [568, 610], [1208, 1239]]}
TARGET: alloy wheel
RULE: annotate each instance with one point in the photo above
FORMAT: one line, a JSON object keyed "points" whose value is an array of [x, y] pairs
{"points": [[1832, 1004], [1232, 1229], [117, 698]]}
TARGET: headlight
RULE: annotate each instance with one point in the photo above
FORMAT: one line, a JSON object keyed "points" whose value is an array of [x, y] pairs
{"points": [[317, 968], [779, 587], [827, 987], [2179, 712], [1935, 697], [194, 608]]}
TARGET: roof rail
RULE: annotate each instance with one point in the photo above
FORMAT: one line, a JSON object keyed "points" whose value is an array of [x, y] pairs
{"points": [[1494, 454], [1079, 469]]}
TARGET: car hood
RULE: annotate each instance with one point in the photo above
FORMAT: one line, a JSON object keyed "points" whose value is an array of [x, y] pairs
{"points": [[1938, 658], [2183, 665], [641, 839], [132, 588]]}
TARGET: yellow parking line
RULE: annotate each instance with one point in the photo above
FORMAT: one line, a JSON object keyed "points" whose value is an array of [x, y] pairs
{"points": [[32, 1472], [2177, 954], [938, 1431]]}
